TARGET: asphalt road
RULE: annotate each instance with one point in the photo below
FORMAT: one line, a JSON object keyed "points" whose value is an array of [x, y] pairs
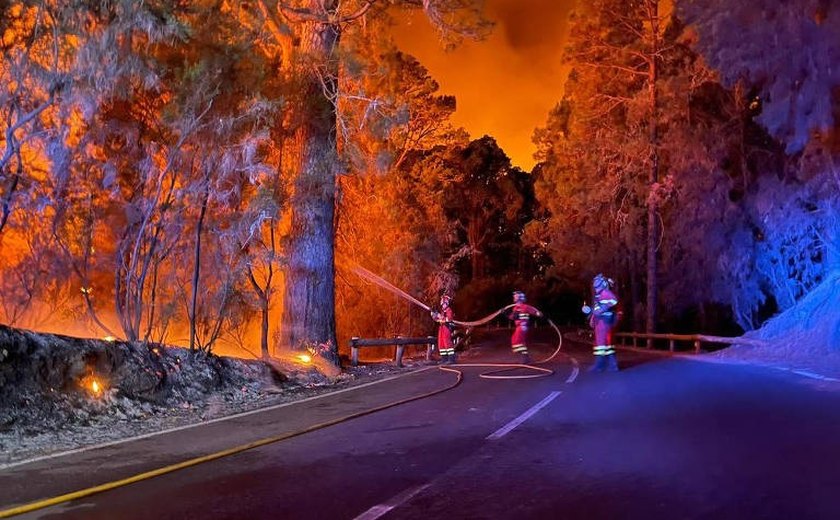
{"points": [[664, 438]]}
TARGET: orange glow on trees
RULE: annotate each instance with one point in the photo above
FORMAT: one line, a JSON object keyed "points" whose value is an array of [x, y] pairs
{"points": [[158, 171]]}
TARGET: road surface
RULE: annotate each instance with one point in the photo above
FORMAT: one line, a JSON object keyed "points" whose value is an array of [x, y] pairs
{"points": [[665, 438]]}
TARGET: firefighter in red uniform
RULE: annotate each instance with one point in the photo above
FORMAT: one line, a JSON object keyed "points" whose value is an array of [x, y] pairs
{"points": [[446, 347], [603, 316], [521, 314]]}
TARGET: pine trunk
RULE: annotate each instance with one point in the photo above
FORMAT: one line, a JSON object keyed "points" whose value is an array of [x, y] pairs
{"points": [[309, 298], [264, 329], [197, 268], [652, 287]]}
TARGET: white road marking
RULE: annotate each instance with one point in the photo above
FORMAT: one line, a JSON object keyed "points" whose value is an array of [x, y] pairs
{"points": [[195, 425], [813, 375], [504, 430], [747, 363], [377, 511]]}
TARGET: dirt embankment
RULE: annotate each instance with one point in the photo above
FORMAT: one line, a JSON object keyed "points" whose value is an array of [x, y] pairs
{"points": [[49, 381], [59, 392]]}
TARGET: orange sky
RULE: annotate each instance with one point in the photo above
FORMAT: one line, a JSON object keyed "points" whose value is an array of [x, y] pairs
{"points": [[505, 85]]}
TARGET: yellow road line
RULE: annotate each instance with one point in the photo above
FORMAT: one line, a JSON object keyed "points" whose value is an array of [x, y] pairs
{"points": [[40, 504]]}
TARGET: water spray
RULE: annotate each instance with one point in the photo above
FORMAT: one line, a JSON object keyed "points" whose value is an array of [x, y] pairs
{"points": [[503, 367]]}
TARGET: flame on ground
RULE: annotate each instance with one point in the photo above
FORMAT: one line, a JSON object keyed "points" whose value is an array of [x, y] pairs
{"points": [[94, 386]]}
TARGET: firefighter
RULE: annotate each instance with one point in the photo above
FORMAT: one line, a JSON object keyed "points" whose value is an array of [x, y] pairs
{"points": [[446, 347], [603, 317], [521, 314]]}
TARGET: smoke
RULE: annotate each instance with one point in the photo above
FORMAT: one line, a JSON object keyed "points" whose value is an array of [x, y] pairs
{"points": [[505, 85]]}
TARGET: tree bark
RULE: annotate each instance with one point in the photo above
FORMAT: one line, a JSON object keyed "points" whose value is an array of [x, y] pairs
{"points": [[309, 299], [652, 287], [197, 265]]}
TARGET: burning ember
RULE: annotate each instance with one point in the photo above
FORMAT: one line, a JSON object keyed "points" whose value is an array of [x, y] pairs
{"points": [[305, 358], [93, 385], [110, 339]]}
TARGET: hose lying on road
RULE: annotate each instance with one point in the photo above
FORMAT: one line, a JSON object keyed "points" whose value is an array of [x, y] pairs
{"points": [[503, 367], [495, 374], [507, 367]]}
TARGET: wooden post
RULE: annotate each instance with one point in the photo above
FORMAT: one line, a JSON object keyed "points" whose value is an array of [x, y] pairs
{"points": [[400, 349], [354, 351]]}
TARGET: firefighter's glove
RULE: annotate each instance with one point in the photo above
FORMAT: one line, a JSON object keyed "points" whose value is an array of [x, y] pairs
{"points": [[586, 309]]}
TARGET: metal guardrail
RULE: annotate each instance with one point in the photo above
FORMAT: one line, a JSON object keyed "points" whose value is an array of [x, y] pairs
{"points": [[399, 341], [696, 339]]}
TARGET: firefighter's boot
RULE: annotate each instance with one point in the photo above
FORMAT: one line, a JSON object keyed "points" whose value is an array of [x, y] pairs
{"points": [[612, 363], [526, 359], [600, 363]]}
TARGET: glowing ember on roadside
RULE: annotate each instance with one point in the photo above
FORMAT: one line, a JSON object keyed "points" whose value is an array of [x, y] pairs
{"points": [[306, 358], [93, 386]]}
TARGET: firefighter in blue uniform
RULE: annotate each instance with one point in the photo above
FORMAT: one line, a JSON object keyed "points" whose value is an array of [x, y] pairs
{"points": [[603, 317]]}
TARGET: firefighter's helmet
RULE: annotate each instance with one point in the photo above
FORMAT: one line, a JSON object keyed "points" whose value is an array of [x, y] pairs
{"points": [[518, 297], [601, 282], [445, 300]]}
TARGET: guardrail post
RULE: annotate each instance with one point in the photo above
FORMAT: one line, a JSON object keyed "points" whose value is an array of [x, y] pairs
{"points": [[696, 346], [671, 345], [430, 347], [400, 349], [354, 351]]}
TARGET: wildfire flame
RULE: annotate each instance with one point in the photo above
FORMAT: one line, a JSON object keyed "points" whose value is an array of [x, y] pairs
{"points": [[93, 386], [306, 358], [110, 339]]}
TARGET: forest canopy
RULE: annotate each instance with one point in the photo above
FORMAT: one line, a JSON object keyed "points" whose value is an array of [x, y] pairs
{"points": [[203, 173]]}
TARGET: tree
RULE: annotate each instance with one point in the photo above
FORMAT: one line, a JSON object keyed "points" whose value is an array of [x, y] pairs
{"points": [[486, 199], [258, 240], [787, 50], [309, 33], [60, 57], [617, 51], [625, 40], [595, 173], [33, 73], [390, 212], [781, 54]]}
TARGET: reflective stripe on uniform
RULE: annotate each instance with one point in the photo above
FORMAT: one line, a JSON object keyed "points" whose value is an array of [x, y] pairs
{"points": [[601, 350], [521, 349]]}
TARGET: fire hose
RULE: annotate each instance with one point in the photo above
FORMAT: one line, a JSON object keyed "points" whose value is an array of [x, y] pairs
{"points": [[494, 374], [502, 367]]}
